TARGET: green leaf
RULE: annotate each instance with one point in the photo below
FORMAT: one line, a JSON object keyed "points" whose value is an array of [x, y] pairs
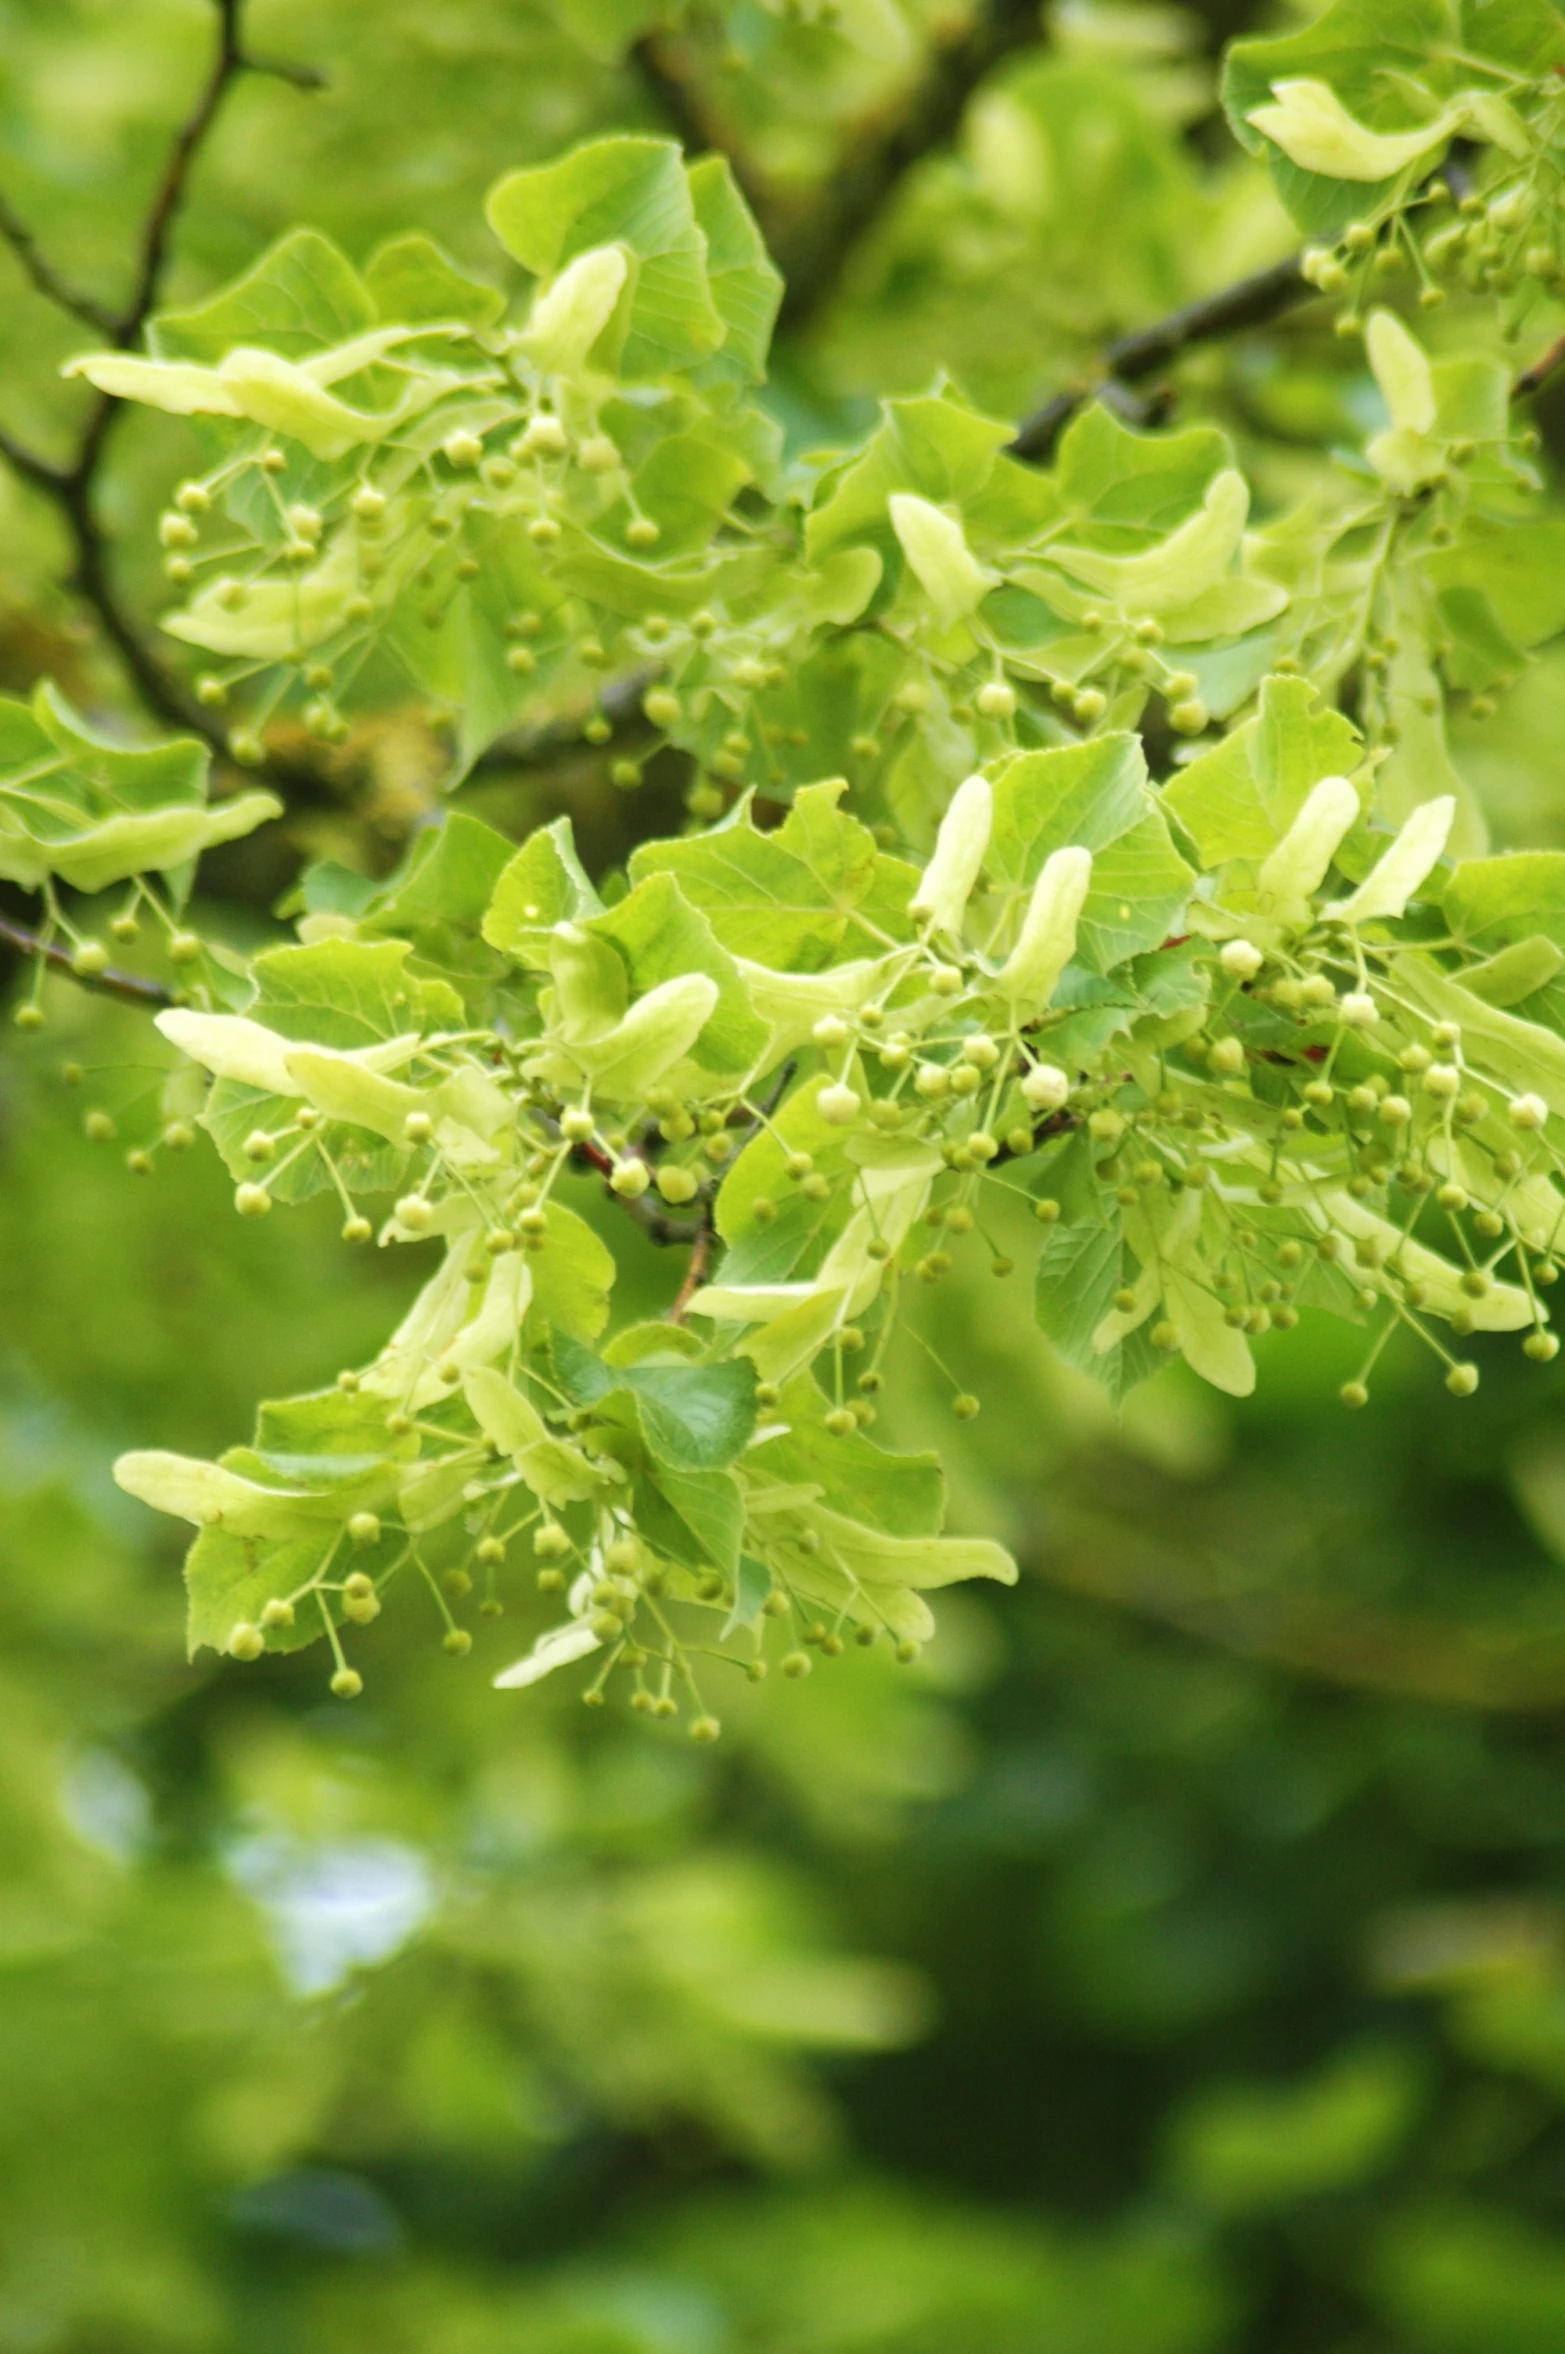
{"points": [[660, 936], [1390, 63], [303, 296], [1094, 795], [696, 1417], [78, 805], [335, 993], [573, 1276], [543, 885], [1239, 799], [440, 895], [1498, 904], [1134, 488], [1082, 1265], [905, 1494], [635, 193], [349, 993], [787, 898], [1517, 567], [744, 286], [937, 448], [409, 280], [696, 1517]]}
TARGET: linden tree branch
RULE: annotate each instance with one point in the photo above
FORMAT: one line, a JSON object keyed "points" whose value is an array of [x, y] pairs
{"points": [[72, 486], [1251, 302], [133, 988], [47, 280]]}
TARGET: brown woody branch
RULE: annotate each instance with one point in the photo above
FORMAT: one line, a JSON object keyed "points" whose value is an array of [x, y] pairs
{"points": [[1533, 379], [1252, 302], [813, 251], [814, 258], [46, 278], [72, 487], [132, 987]]}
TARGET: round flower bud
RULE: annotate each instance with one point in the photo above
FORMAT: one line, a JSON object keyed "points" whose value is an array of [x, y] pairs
{"points": [[414, 1213], [1241, 960], [642, 532], [981, 1051], [1357, 1010], [662, 706], [462, 449], [418, 1127], [577, 1125], [946, 981], [258, 1146], [545, 437], [597, 454], [1046, 1087], [996, 700], [676, 1185], [246, 1641], [630, 1179], [1541, 1347], [277, 1613], [89, 959], [184, 948], [1462, 1380], [830, 1030], [252, 1201], [841, 1422], [457, 1642], [1226, 1057], [357, 1229], [179, 1136], [1190, 717], [347, 1683], [368, 504], [1394, 1111], [1443, 1081], [364, 1528], [1165, 1336], [705, 1728], [965, 1406], [1353, 1393], [932, 1081], [1527, 1111]]}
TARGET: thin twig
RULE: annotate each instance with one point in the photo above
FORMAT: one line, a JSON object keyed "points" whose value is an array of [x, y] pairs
{"points": [[30, 466], [111, 983], [73, 486], [228, 64], [47, 279], [813, 249], [1533, 379], [695, 1273], [1252, 302], [815, 255], [672, 93]]}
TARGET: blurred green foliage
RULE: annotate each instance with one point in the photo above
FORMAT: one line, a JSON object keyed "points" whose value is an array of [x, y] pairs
{"points": [[1174, 1963]]}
